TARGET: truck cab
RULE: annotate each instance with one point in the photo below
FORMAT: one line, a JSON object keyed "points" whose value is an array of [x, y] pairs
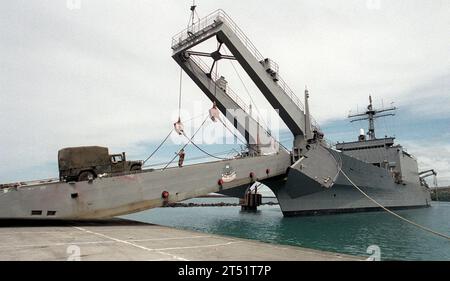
{"points": [[119, 164], [87, 162]]}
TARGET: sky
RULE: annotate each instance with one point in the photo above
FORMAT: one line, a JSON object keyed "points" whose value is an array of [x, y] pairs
{"points": [[100, 72]]}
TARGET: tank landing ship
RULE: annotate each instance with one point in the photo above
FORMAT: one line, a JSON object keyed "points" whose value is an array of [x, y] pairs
{"points": [[311, 178], [316, 179], [382, 169]]}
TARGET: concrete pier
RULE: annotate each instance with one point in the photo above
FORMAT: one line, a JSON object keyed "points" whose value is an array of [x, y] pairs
{"points": [[128, 240]]}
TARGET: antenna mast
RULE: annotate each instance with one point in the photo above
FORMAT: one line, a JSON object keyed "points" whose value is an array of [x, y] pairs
{"points": [[371, 114]]}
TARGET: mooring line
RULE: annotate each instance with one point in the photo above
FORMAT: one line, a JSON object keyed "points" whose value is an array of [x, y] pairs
{"points": [[395, 214], [340, 164]]}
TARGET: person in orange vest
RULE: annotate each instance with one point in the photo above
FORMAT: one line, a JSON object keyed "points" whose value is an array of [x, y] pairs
{"points": [[181, 155]]}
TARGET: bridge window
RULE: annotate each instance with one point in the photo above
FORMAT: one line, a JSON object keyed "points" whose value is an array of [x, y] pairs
{"points": [[362, 148]]}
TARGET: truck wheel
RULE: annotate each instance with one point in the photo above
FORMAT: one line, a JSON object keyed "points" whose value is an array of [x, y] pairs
{"points": [[86, 175], [135, 168]]}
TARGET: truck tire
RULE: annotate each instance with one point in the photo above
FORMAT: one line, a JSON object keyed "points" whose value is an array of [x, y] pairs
{"points": [[86, 175], [135, 168]]}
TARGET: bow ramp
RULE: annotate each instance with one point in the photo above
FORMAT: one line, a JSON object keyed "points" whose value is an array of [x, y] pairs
{"points": [[122, 194], [262, 71]]}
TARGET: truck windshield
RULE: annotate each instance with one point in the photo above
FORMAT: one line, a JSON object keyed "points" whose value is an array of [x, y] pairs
{"points": [[116, 158]]}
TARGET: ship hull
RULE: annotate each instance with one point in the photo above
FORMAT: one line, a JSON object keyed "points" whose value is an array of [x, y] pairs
{"points": [[346, 199], [343, 197], [119, 195]]}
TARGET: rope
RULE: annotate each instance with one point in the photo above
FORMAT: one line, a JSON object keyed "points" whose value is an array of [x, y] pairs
{"points": [[237, 137], [190, 140], [227, 152], [165, 139], [247, 91], [159, 146], [215, 88], [186, 143], [204, 151], [192, 15], [253, 102], [179, 95], [389, 211], [395, 214], [215, 82]]}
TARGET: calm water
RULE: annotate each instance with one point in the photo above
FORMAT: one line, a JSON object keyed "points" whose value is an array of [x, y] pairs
{"points": [[345, 233]]}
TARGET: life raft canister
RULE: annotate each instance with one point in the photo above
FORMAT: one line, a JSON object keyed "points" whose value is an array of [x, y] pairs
{"points": [[165, 194], [179, 127], [214, 113]]}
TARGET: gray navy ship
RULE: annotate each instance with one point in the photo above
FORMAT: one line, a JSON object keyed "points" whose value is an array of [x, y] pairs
{"points": [[378, 166], [310, 178]]}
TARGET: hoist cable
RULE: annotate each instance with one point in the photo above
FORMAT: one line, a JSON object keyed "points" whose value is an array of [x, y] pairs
{"points": [[170, 162], [165, 139], [159, 146], [179, 94], [202, 150]]}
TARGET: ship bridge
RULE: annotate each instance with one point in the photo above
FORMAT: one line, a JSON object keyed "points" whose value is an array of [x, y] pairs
{"points": [[263, 71]]}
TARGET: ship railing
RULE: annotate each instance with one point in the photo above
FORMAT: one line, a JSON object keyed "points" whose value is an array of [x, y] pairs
{"points": [[29, 183], [192, 31], [329, 143], [220, 17]]}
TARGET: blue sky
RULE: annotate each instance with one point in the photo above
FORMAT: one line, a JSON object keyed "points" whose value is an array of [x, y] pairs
{"points": [[102, 73]]}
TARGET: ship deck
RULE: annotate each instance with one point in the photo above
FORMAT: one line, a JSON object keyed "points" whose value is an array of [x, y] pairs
{"points": [[146, 169], [128, 240]]}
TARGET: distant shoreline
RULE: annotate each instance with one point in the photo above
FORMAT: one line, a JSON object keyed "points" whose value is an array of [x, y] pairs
{"points": [[213, 195], [443, 194]]}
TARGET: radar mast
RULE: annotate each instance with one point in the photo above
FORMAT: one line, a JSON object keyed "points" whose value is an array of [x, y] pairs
{"points": [[371, 114]]}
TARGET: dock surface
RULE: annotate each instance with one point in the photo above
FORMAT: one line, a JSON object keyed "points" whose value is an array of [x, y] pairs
{"points": [[129, 241]]}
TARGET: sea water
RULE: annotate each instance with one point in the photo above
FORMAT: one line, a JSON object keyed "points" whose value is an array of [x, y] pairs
{"points": [[343, 233]]}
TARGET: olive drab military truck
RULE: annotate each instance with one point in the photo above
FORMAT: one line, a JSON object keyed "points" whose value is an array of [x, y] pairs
{"points": [[88, 162]]}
